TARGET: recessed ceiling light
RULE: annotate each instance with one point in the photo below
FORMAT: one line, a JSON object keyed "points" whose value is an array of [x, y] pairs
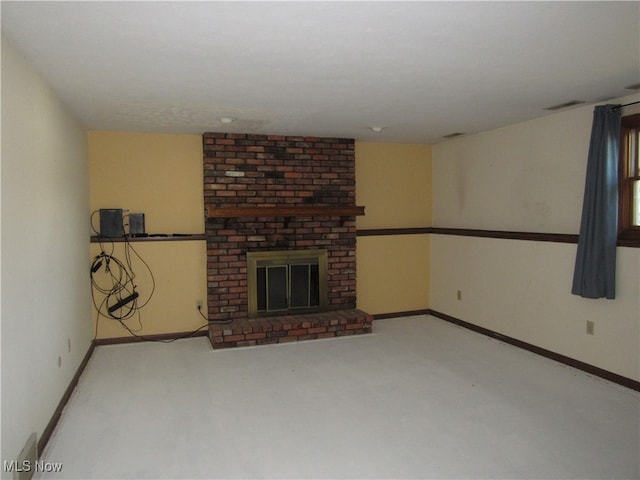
{"points": [[560, 106], [376, 129], [226, 120]]}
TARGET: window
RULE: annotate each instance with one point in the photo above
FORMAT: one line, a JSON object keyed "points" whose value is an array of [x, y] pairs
{"points": [[629, 207]]}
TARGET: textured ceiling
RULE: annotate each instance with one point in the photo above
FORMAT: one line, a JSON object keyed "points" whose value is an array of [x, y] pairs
{"points": [[421, 70]]}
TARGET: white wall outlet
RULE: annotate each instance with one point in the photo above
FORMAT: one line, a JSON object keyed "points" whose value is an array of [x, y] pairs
{"points": [[459, 294], [590, 327]]}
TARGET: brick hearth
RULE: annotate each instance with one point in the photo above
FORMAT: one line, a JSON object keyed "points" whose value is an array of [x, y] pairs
{"points": [[290, 328]]}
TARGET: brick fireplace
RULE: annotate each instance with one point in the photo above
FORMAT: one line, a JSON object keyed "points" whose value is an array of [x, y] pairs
{"points": [[266, 193]]}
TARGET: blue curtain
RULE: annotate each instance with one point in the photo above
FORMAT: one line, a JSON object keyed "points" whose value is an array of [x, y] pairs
{"points": [[595, 267]]}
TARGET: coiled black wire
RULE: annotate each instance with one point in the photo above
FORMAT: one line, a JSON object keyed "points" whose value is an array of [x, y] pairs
{"points": [[113, 280], [119, 284]]}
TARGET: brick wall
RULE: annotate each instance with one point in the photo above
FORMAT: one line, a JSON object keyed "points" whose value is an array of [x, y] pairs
{"points": [[244, 170]]}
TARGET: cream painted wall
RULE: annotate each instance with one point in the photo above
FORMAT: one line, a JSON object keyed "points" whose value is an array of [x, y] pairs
{"points": [[523, 177], [46, 330], [392, 273], [393, 182], [528, 177], [159, 175], [522, 289]]}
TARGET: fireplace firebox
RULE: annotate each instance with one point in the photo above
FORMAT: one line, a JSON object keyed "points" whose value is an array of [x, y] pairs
{"points": [[290, 281]]}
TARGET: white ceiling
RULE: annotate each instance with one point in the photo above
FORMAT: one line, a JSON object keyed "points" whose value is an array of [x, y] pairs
{"points": [[421, 70]]}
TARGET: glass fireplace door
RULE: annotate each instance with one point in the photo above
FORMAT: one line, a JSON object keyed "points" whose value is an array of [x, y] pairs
{"points": [[291, 281]]}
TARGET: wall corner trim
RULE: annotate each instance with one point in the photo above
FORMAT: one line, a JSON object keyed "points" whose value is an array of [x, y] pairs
{"points": [[53, 422], [156, 337], [585, 367]]}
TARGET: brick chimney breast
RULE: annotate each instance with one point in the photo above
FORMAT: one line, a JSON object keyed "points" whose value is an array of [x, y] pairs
{"points": [[261, 171]]}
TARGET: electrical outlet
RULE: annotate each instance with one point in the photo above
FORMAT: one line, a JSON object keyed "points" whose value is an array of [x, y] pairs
{"points": [[590, 327], [59, 362], [459, 294], [69, 344], [198, 304]]}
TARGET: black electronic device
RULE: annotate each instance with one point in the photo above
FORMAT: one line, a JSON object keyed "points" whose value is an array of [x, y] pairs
{"points": [[111, 222], [136, 224], [123, 302]]}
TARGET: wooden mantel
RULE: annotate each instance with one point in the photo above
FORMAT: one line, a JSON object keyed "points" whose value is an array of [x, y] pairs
{"points": [[297, 211]]}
